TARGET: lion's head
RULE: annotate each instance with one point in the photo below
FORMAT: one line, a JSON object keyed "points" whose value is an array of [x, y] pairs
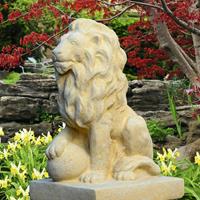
{"points": [[90, 58]]}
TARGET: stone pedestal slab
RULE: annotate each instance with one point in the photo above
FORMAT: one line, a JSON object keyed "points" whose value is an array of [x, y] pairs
{"points": [[156, 188]]}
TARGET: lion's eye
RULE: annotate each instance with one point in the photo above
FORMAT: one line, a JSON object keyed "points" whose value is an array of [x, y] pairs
{"points": [[74, 43]]}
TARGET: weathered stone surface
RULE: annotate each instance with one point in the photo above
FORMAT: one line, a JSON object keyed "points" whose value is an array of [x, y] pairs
{"points": [[19, 108], [26, 100], [173, 142], [25, 109], [44, 85], [29, 102], [42, 67], [21, 91], [194, 131], [189, 150], [147, 95], [3, 74], [35, 94], [157, 188], [33, 76]]}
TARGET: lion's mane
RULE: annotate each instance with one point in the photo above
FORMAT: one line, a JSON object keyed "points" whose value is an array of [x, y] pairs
{"points": [[95, 84]]}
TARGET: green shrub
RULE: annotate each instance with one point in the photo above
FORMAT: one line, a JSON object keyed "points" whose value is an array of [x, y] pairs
{"points": [[21, 4], [11, 78], [157, 131], [45, 116], [120, 24]]}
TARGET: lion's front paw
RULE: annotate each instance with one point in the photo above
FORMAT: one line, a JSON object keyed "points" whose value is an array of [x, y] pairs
{"points": [[124, 175], [55, 149], [93, 177]]}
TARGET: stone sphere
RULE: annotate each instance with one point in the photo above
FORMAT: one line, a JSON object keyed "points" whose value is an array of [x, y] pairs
{"points": [[70, 165]]}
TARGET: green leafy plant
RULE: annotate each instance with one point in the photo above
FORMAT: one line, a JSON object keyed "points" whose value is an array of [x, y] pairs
{"points": [[157, 130], [22, 160], [172, 107], [11, 78], [189, 171], [47, 117], [191, 176], [21, 4], [172, 91], [120, 25]]}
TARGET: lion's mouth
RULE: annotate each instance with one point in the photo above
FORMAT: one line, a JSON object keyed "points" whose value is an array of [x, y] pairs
{"points": [[63, 67]]}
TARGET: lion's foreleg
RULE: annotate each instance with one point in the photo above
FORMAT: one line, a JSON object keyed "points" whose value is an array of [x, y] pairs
{"points": [[100, 143], [100, 147]]}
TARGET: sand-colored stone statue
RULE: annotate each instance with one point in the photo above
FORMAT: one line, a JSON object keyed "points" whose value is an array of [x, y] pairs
{"points": [[105, 142], [104, 138]]}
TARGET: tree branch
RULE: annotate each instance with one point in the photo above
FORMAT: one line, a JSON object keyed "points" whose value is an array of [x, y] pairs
{"points": [[113, 4], [117, 15], [41, 44], [179, 21], [189, 60], [129, 7], [148, 5], [58, 9], [129, 49], [164, 9], [196, 38], [22, 15], [129, 1], [176, 52]]}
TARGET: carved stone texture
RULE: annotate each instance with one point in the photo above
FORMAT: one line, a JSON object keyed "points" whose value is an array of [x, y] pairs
{"points": [[104, 138]]}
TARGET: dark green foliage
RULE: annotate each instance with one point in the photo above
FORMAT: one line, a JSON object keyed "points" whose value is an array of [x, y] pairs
{"points": [[120, 25], [158, 131]]}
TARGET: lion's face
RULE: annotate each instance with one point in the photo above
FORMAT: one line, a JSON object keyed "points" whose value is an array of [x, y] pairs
{"points": [[89, 62], [69, 51]]}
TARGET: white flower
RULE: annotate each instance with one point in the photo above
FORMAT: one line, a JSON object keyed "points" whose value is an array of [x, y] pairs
{"points": [[36, 175]]}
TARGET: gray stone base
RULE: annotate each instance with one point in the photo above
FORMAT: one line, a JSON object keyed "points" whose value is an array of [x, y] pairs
{"points": [[157, 188]]}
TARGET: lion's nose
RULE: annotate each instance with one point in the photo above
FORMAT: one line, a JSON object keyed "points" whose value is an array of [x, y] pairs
{"points": [[53, 57]]}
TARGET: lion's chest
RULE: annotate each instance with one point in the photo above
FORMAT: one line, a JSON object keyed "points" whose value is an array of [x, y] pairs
{"points": [[77, 103]]}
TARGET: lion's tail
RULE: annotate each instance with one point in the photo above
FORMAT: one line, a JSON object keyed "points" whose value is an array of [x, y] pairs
{"points": [[137, 162]]}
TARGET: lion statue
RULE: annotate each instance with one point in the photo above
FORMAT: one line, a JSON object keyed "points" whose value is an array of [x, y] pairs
{"points": [[103, 138]]}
